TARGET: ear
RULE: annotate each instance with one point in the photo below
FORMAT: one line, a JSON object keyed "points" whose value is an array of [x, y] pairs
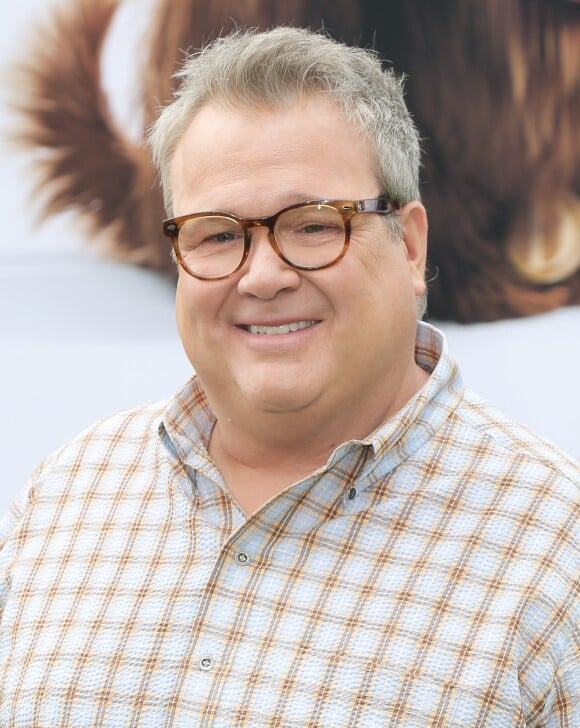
{"points": [[413, 216]]}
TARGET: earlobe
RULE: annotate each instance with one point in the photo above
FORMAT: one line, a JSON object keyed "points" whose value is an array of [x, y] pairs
{"points": [[414, 219]]}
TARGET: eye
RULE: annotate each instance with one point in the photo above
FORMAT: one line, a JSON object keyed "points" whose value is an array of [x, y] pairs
{"points": [[223, 237], [210, 234], [314, 227]]}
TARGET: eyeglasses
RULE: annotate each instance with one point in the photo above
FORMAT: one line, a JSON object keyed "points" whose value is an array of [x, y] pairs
{"points": [[307, 236]]}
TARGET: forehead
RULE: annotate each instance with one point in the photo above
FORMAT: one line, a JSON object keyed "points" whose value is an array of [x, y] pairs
{"points": [[308, 149]]}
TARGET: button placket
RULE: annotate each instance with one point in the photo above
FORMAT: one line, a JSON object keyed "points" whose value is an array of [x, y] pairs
{"points": [[205, 663]]}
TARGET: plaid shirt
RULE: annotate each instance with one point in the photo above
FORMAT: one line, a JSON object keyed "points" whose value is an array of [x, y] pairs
{"points": [[422, 577]]}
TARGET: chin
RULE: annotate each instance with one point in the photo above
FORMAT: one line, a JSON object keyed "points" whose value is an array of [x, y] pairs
{"points": [[277, 400], [279, 405]]}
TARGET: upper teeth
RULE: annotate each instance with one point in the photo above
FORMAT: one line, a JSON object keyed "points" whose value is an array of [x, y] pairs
{"points": [[282, 329]]}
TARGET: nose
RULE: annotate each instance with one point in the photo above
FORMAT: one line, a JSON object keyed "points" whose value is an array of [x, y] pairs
{"points": [[264, 273]]}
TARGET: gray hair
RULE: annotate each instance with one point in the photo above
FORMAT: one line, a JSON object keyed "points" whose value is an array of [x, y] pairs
{"points": [[273, 69]]}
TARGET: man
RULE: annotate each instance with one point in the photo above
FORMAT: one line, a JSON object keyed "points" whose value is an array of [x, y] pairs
{"points": [[323, 528]]}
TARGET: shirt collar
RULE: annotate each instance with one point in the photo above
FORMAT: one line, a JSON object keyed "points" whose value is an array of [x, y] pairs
{"points": [[414, 424]]}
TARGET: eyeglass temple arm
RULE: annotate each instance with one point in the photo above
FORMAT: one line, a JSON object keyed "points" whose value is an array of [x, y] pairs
{"points": [[379, 204]]}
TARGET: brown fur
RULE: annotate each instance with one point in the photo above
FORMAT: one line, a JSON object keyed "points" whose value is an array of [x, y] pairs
{"points": [[88, 165], [494, 87]]}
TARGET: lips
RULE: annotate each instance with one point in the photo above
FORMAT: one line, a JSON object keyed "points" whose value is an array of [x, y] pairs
{"points": [[280, 328]]}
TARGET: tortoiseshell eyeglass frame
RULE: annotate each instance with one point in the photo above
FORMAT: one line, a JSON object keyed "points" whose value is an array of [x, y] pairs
{"points": [[347, 209]]}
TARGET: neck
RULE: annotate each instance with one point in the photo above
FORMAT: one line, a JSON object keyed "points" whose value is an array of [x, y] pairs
{"points": [[259, 463], [261, 453]]}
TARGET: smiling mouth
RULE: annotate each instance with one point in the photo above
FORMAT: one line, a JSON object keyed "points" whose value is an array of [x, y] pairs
{"points": [[282, 329]]}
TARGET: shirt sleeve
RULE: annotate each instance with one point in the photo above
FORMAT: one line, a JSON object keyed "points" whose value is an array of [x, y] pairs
{"points": [[550, 665], [11, 540], [562, 708]]}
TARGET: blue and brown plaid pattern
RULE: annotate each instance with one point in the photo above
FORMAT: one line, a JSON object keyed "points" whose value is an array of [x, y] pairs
{"points": [[426, 576]]}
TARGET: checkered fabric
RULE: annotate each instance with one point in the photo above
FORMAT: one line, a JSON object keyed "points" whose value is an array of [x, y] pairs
{"points": [[423, 577]]}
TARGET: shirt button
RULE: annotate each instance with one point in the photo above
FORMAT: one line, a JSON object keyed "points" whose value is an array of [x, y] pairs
{"points": [[205, 663], [242, 558]]}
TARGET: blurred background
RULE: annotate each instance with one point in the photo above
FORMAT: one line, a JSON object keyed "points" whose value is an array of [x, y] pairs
{"points": [[82, 335], [85, 332]]}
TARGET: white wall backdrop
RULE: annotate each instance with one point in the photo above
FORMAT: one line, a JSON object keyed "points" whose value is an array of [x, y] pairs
{"points": [[83, 336]]}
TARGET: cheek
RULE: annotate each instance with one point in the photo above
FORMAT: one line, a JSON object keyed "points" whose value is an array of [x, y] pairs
{"points": [[382, 293], [377, 251], [188, 306], [382, 269], [181, 305], [199, 306]]}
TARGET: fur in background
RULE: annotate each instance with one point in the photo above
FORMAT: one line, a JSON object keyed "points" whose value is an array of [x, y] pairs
{"points": [[494, 86]]}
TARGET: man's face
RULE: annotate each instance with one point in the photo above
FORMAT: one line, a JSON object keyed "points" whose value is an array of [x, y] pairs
{"points": [[360, 313]]}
